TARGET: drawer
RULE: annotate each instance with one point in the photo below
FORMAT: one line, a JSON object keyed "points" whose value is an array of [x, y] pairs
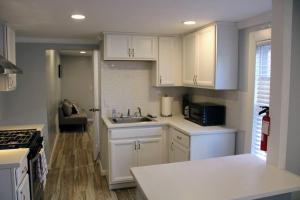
{"points": [[135, 132], [21, 171], [180, 137]]}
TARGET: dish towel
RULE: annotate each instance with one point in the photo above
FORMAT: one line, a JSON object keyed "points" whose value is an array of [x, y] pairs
{"points": [[42, 167]]}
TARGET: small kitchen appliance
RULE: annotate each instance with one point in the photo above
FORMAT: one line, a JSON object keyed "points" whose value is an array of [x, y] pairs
{"points": [[207, 114]]}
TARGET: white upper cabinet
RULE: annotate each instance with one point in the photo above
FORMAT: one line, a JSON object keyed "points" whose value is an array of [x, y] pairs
{"points": [[144, 47], [210, 57], [117, 46], [189, 59], [169, 64], [129, 47]]}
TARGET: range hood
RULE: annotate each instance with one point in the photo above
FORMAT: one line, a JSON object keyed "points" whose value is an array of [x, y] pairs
{"points": [[6, 67]]}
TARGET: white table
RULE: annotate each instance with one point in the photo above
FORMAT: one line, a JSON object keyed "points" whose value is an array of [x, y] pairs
{"points": [[241, 177]]}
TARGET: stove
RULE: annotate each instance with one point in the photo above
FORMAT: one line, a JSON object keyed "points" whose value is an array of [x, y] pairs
{"points": [[13, 139]]}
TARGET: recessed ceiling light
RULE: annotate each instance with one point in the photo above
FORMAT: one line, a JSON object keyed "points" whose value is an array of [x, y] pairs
{"points": [[82, 52], [189, 22], [78, 16]]}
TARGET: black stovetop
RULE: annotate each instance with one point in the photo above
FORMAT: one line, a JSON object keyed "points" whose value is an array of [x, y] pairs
{"points": [[12, 139]]}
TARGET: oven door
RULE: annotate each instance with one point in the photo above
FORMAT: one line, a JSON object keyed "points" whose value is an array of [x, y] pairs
{"points": [[36, 187]]}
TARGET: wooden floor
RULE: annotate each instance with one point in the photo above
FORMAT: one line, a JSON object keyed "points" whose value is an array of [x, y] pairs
{"points": [[74, 175]]}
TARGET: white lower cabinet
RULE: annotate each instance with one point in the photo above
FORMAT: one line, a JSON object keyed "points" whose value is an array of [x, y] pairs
{"points": [[123, 157], [196, 147], [130, 147], [178, 153]]}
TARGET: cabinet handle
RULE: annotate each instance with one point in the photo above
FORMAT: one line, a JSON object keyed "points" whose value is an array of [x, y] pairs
{"points": [[135, 145], [179, 138], [196, 79], [129, 52], [139, 147], [172, 146], [132, 52]]}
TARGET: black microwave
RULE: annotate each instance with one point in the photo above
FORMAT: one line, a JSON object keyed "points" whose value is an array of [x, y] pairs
{"points": [[207, 114]]}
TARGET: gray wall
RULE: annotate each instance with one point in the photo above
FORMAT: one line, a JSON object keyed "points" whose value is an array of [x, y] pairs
{"points": [[77, 80], [53, 94], [28, 103]]}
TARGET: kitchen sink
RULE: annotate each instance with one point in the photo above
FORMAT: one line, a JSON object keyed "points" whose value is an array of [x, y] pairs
{"points": [[122, 120]]}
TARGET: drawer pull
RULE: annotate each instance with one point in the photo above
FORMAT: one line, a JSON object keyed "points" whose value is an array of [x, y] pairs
{"points": [[179, 138]]}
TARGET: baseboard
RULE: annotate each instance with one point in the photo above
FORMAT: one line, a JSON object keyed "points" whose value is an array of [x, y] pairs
{"points": [[53, 149], [122, 185], [103, 172]]}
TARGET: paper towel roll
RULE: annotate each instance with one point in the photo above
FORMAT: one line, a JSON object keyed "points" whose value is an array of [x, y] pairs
{"points": [[166, 106]]}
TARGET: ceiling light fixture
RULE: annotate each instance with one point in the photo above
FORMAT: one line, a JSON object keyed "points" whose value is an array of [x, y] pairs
{"points": [[82, 52], [78, 17], [189, 22]]}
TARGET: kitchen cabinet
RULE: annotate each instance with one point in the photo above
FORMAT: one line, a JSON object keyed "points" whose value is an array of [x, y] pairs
{"points": [[8, 82], [129, 47], [210, 57], [123, 157], [169, 65], [183, 147], [189, 59], [178, 153], [14, 181], [130, 147]]}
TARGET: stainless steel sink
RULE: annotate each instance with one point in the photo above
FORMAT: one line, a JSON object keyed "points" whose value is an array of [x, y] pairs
{"points": [[122, 120]]}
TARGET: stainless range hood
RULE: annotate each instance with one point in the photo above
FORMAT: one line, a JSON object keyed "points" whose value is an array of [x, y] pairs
{"points": [[6, 67]]}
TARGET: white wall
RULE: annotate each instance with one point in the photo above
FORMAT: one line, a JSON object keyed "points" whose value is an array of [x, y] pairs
{"points": [[239, 103], [53, 96], [127, 84], [77, 81]]}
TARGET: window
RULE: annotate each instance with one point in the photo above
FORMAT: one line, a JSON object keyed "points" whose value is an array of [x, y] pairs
{"points": [[261, 93]]}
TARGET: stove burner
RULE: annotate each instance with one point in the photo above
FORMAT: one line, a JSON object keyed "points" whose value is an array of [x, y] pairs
{"points": [[16, 138]]}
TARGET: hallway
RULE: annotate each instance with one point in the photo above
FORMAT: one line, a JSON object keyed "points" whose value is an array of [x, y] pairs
{"points": [[74, 175]]}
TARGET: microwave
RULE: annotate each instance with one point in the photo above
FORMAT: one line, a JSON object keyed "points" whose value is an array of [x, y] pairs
{"points": [[207, 114]]}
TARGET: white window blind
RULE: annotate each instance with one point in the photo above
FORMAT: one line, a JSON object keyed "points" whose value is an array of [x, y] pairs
{"points": [[262, 92]]}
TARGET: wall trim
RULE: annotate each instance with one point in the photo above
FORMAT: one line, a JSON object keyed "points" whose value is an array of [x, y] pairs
{"points": [[54, 147], [265, 18], [23, 39]]}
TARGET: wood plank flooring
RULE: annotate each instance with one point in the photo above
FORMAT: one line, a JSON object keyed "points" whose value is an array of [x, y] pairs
{"points": [[74, 175]]}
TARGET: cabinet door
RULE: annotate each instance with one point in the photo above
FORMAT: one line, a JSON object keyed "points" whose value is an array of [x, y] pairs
{"points": [[117, 47], [189, 59], [23, 191], [150, 151], [169, 61], [178, 153], [143, 47], [205, 54], [123, 156], [11, 45]]}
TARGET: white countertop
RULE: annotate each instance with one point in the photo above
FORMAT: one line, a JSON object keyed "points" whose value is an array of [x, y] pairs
{"points": [[11, 158], [241, 177], [178, 122]]}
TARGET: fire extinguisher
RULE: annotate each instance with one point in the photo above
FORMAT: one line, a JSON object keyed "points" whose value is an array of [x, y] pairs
{"points": [[265, 132]]}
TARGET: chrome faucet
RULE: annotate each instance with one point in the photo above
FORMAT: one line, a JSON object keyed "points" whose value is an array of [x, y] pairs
{"points": [[140, 111]]}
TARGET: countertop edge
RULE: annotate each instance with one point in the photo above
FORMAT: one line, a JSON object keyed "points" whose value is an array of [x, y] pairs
{"points": [[167, 122]]}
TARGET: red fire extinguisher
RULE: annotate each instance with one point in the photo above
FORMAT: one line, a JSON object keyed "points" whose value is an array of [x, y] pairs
{"points": [[265, 132]]}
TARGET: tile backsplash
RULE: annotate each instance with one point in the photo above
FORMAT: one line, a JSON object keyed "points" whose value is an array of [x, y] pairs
{"points": [[127, 85]]}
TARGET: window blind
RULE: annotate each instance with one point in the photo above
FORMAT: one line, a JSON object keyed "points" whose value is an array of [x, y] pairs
{"points": [[262, 92]]}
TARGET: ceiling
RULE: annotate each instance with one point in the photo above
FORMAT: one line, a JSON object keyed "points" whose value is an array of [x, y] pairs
{"points": [[51, 18]]}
